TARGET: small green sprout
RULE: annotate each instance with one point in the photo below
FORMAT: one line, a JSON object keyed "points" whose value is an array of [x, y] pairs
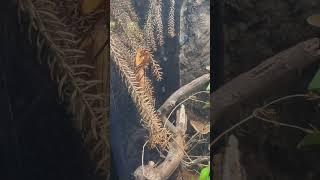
{"points": [[205, 173]]}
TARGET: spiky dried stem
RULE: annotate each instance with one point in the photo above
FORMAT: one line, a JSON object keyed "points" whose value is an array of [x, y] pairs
{"points": [[128, 24], [171, 29], [157, 134], [126, 39], [149, 29], [58, 46], [64, 72], [158, 21]]}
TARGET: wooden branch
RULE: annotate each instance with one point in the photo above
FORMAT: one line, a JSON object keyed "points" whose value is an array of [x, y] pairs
{"points": [[181, 93], [232, 167], [176, 150], [174, 157], [273, 74]]}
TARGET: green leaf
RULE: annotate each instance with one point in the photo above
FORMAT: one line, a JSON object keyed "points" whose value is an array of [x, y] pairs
{"points": [[314, 85], [310, 139], [205, 173], [208, 87]]}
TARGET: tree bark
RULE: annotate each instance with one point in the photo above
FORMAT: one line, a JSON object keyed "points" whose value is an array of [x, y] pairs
{"points": [[281, 69], [182, 93]]}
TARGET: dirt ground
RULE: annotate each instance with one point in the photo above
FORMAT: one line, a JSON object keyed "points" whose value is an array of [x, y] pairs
{"points": [[255, 30]]}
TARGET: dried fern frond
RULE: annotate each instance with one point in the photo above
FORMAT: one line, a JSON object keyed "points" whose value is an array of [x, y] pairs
{"points": [[58, 46], [126, 40], [157, 134], [132, 32], [156, 69], [62, 71], [158, 20], [129, 8], [171, 29], [153, 27], [126, 18], [142, 61], [149, 28]]}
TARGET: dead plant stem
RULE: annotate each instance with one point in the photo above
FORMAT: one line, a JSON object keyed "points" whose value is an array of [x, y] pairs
{"points": [[254, 115]]}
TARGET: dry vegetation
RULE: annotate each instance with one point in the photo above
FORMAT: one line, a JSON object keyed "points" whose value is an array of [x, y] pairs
{"points": [[70, 37]]}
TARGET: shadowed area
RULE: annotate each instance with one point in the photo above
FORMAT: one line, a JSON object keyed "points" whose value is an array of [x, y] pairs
{"points": [[37, 140]]}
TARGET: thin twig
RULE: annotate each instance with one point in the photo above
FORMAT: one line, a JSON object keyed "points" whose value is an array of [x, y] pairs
{"points": [[196, 100], [230, 129], [167, 119], [284, 124], [182, 92], [142, 157], [253, 115]]}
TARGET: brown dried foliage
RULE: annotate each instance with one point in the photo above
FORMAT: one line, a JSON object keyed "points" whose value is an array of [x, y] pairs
{"points": [[132, 51], [58, 29]]}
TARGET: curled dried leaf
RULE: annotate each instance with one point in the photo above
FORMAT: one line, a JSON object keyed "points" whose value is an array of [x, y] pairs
{"points": [[314, 20], [201, 127]]}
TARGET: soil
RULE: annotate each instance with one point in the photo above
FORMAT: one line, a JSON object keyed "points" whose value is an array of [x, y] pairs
{"points": [[255, 30]]}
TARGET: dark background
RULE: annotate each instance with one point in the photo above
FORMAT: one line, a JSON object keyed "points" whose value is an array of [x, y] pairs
{"points": [[37, 140], [252, 32]]}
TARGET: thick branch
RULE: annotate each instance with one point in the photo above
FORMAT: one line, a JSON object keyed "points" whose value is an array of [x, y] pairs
{"points": [[273, 74], [176, 150], [174, 157], [180, 94], [183, 92]]}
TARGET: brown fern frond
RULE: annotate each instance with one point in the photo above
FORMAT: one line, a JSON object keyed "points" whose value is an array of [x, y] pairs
{"points": [[66, 70], [57, 46], [171, 29], [144, 83], [126, 40], [149, 89], [154, 26], [143, 102], [156, 69], [149, 31], [151, 27], [129, 8], [158, 21], [127, 22]]}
